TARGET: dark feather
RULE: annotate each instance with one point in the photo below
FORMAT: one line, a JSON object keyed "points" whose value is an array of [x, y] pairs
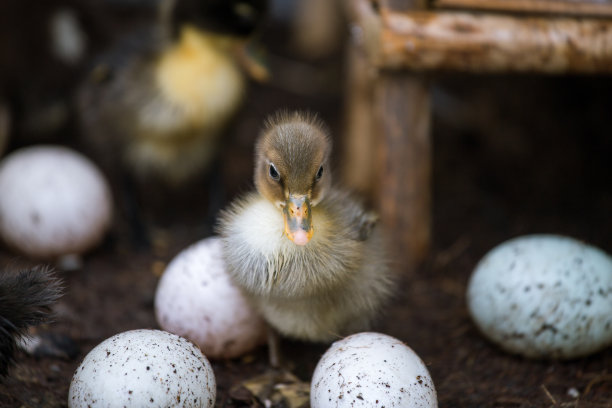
{"points": [[26, 298]]}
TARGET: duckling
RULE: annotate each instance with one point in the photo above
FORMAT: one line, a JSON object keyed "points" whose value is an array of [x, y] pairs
{"points": [[305, 253], [25, 300], [159, 102]]}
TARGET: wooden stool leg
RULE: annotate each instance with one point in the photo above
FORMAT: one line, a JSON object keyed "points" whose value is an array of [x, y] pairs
{"points": [[404, 162], [358, 145]]}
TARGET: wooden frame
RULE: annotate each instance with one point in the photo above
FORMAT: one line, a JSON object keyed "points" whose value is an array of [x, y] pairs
{"points": [[393, 43], [551, 7], [387, 154]]}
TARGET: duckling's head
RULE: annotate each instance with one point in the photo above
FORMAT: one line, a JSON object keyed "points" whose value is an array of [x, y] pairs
{"points": [[291, 169], [228, 17], [230, 26]]}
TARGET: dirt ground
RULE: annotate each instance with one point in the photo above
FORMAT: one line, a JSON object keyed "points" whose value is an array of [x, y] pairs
{"points": [[512, 156]]}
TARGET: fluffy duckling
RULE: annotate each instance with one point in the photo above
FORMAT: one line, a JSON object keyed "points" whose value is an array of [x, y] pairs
{"points": [[308, 256], [159, 102], [25, 300]]}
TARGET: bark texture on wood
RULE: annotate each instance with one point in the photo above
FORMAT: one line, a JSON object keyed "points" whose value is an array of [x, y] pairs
{"points": [[557, 7], [360, 145], [492, 43], [404, 190]]}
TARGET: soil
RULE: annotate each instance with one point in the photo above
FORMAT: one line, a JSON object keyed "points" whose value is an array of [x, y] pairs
{"points": [[512, 156]]}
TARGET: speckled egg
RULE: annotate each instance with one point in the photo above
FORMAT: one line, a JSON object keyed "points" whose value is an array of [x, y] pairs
{"points": [[53, 202], [544, 296], [143, 368], [371, 370], [195, 298]]}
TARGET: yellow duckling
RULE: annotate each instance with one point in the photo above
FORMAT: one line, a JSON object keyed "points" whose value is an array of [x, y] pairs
{"points": [[306, 254], [159, 103]]}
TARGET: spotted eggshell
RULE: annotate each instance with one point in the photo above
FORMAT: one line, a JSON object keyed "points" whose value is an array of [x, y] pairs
{"points": [[371, 370], [544, 296], [195, 298], [143, 368], [53, 202]]}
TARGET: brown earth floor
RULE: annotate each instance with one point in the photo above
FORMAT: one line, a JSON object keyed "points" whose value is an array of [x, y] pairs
{"points": [[512, 155]]}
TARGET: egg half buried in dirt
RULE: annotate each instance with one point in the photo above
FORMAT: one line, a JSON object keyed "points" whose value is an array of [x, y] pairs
{"points": [[143, 368], [196, 299], [371, 370], [544, 296], [53, 202]]}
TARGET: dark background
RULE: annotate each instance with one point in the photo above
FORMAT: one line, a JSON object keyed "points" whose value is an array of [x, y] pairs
{"points": [[512, 155]]}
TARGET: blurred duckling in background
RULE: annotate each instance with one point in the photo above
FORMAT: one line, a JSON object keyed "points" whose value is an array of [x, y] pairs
{"points": [[306, 254], [160, 101]]}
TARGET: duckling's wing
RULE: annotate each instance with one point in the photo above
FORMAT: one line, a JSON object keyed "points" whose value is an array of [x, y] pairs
{"points": [[141, 43], [118, 71], [116, 82], [346, 208], [366, 224]]}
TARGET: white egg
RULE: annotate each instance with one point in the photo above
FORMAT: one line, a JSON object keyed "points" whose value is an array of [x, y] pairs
{"points": [[143, 368], [195, 298], [53, 202], [371, 370], [544, 296]]}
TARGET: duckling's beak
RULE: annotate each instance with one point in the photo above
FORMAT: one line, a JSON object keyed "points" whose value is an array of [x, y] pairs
{"points": [[298, 219]]}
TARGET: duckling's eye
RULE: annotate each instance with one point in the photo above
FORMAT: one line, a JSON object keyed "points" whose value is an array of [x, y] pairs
{"points": [[274, 173], [319, 174]]}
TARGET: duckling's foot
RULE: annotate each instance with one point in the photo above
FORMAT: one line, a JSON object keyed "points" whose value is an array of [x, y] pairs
{"points": [[274, 352]]}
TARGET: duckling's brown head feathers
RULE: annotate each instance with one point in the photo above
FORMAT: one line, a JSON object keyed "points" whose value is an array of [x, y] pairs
{"points": [[292, 155]]}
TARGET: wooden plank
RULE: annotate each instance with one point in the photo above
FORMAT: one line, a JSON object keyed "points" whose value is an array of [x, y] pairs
{"points": [[404, 163], [404, 174], [358, 148], [556, 7], [481, 43]]}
